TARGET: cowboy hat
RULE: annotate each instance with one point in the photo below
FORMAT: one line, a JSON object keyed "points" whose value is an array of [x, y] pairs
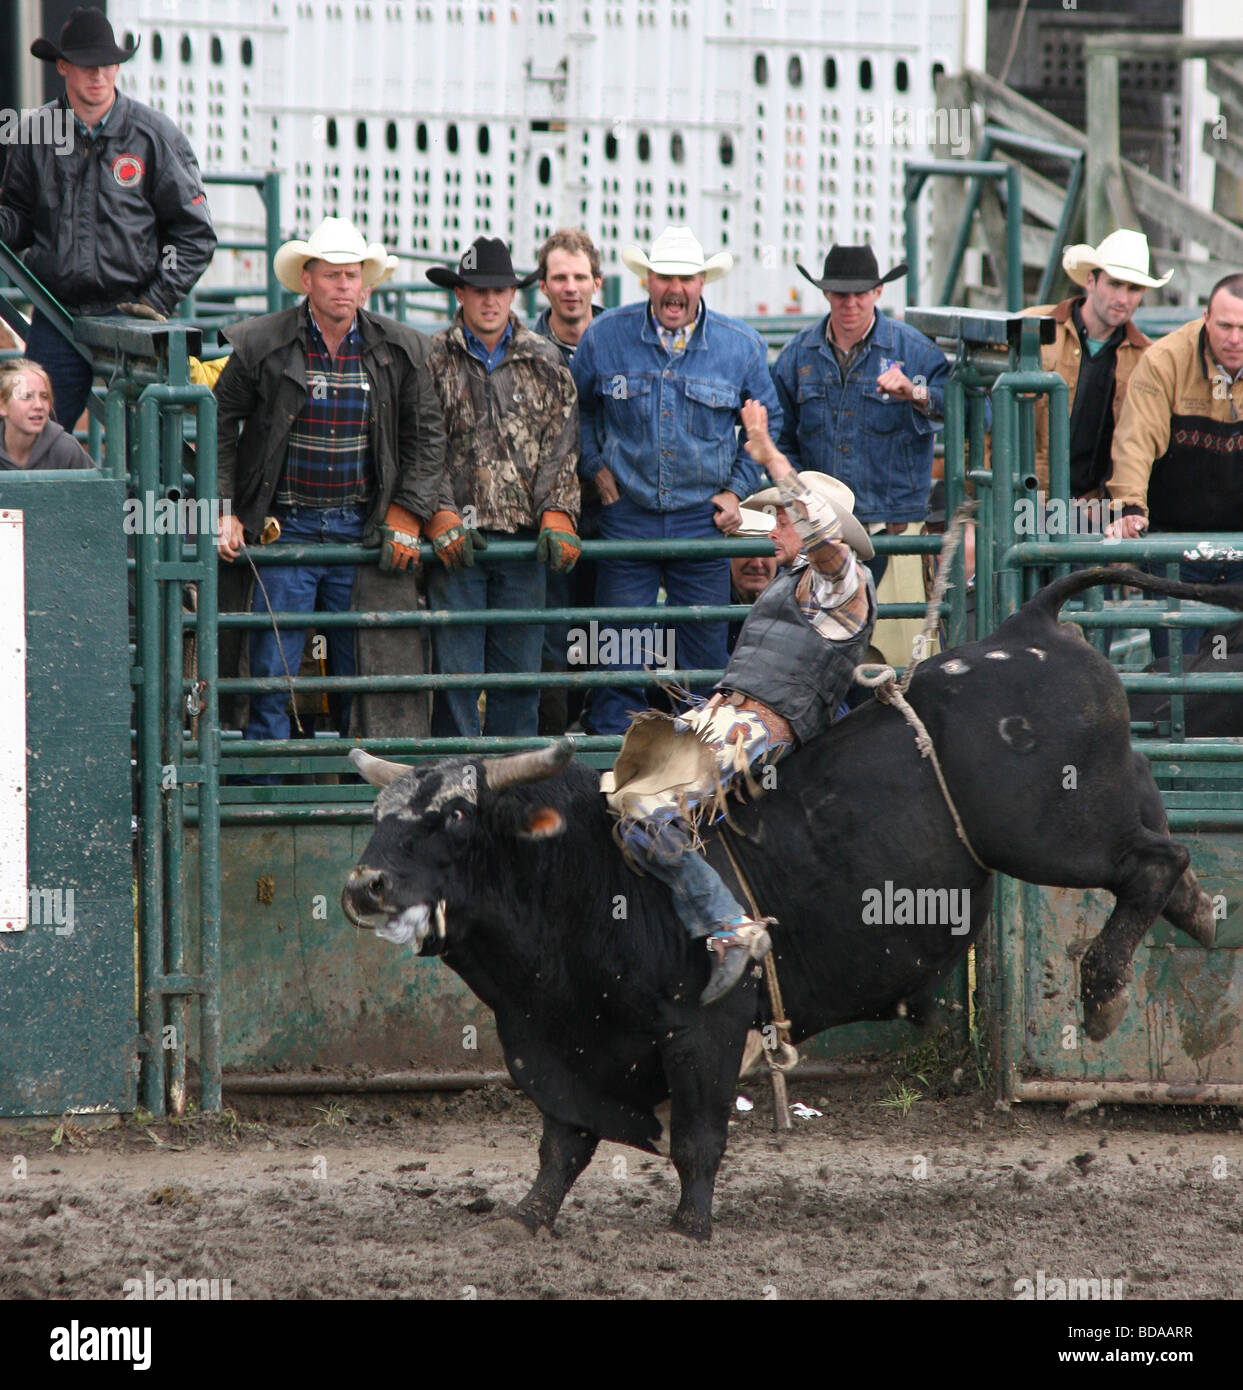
{"points": [[485, 265], [851, 270], [1123, 254], [86, 41], [829, 490], [676, 251], [339, 243]]}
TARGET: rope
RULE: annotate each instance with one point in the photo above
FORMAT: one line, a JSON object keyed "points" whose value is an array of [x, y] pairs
{"points": [[293, 699], [883, 680], [932, 613], [788, 1052]]}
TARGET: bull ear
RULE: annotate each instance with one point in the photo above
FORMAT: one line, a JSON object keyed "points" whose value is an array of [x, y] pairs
{"points": [[541, 823], [375, 770]]}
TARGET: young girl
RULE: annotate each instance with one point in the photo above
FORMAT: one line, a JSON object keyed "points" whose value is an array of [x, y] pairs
{"points": [[29, 437]]}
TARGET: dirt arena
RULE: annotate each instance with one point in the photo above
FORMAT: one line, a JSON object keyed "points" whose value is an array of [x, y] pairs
{"points": [[391, 1197]]}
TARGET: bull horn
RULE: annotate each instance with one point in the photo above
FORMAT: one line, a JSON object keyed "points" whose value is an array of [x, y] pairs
{"points": [[514, 769], [375, 770]]}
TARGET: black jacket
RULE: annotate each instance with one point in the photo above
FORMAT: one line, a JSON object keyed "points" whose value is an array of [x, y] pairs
{"points": [[118, 218], [263, 389]]}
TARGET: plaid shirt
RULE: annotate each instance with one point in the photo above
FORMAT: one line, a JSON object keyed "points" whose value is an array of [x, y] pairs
{"points": [[328, 462]]}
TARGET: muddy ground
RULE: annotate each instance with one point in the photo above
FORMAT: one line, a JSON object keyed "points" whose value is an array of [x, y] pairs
{"points": [[397, 1197]]}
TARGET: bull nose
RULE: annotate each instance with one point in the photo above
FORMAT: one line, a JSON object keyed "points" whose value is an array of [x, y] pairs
{"points": [[365, 889]]}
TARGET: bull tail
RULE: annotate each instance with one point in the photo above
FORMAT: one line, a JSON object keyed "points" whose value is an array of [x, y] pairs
{"points": [[1050, 599]]}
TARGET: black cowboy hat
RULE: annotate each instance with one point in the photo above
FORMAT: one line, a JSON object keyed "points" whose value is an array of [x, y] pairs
{"points": [[852, 270], [86, 41], [485, 265]]}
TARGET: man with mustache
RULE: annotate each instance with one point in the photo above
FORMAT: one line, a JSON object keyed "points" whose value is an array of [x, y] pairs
{"points": [[660, 386]]}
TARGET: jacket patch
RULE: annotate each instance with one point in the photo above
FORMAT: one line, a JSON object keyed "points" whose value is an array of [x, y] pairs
{"points": [[128, 170]]}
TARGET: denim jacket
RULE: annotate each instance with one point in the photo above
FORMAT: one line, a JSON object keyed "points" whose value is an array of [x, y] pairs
{"points": [[665, 427], [879, 447]]}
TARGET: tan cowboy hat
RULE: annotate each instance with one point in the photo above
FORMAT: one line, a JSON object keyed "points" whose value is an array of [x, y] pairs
{"points": [[837, 495], [1123, 254], [676, 251], [339, 243]]}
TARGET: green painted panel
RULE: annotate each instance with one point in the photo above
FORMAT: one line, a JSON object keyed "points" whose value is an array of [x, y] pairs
{"points": [[1185, 1023], [67, 986]]}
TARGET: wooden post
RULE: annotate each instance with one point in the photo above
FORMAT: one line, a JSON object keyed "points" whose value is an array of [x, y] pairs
{"points": [[1104, 161]]}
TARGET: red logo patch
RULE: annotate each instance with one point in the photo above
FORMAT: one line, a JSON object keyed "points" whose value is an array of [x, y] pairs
{"points": [[128, 169]]}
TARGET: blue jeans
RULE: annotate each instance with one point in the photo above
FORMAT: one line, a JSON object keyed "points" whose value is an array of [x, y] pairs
{"points": [[634, 583], [1192, 572], [70, 373], [303, 589], [701, 899], [487, 650]]}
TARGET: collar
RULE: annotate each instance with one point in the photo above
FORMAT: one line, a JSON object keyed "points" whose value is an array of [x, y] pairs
{"points": [[652, 329], [479, 348], [1062, 313], [350, 332], [94, 131], [860, 343], [1076, 319]]}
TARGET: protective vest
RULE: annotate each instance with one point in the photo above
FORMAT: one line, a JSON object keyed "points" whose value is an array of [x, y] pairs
{"points": [[783, 661]]}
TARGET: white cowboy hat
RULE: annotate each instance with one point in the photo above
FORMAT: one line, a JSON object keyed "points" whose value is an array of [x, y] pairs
{"points": [[339, 243], [1123, 254], [836, 494], [676, 251]]}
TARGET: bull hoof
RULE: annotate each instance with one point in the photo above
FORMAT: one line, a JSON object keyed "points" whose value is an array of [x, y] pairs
{"points": [[509, 1228], [1101, 1017], [689, 1223]]}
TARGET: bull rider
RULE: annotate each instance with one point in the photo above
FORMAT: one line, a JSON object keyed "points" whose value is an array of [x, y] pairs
{"points": [[790, 670]]}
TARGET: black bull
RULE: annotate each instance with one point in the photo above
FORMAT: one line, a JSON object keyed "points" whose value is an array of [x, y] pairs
{"points": [[507, 868]]}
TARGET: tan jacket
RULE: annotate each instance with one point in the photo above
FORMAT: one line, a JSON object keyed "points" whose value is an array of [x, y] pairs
{"points": [[1183, 422], [1062, 356]]}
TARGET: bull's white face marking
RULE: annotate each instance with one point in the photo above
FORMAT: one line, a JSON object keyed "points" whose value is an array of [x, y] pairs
{"points": [[454, 784], [954, 667], [997, 656], [412, 925], [1038, 654]]}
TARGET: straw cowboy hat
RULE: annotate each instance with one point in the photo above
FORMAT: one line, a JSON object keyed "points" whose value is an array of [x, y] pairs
{"points": [[485, 265], [676, 251], [839, 497], [1123, 254], [86, 41], [851, 270], [339, 243]]}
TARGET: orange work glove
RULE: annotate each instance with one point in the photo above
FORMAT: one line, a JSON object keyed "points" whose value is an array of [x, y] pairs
{"points": [[558, 542], [399, 539], [455, 544]]}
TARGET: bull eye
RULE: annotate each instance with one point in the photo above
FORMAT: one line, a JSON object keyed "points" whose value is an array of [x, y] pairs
{"points": [[456, 816]]}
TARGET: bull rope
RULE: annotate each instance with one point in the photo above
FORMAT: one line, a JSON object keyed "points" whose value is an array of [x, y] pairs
{"points": [[883, 680], [783, 1057]]}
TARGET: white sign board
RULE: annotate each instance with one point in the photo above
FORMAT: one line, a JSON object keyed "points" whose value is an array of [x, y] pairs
{"points": [[14, 899]]}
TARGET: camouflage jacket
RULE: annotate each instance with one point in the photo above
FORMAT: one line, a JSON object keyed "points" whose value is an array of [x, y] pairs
{"points": [[512, 433]]}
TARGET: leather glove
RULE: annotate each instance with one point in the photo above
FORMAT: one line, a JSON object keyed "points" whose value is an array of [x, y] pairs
{"points": [[455, 544], [399, 539], [558, 544], [141, 310]]}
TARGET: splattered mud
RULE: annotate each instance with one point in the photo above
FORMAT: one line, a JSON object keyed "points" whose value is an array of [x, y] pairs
{"points": [[391, 1197]]}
